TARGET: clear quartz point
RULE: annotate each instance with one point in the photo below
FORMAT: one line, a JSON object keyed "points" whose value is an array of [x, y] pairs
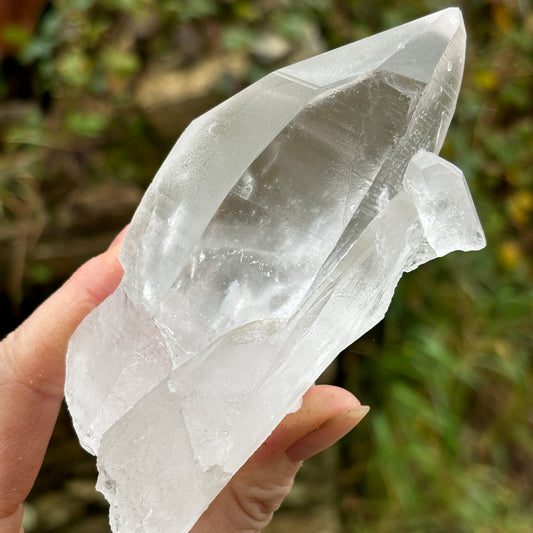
{"points": [[271, 238]]}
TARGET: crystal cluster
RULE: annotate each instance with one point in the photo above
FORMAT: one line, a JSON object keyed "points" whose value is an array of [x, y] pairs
{"points": [[271, 238]]}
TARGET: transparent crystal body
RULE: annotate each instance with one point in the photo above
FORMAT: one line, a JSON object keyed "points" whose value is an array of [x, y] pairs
{"points": [[271, 238]]}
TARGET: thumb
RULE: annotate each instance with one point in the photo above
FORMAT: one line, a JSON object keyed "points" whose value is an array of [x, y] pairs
{"points": [[32, 370], [35, 351]]}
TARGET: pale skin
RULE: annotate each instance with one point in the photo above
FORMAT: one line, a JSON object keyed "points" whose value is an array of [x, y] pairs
{"points": [[32, 374]]}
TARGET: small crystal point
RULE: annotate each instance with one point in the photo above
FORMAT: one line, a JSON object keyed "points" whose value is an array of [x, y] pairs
{"points": [[271, 238]]}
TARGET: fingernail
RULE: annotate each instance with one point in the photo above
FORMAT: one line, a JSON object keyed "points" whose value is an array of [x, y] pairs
{"points": [[328, 433], [119, 237]]}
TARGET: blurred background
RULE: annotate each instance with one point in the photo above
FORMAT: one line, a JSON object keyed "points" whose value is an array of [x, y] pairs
{"points": [[93, 93]]}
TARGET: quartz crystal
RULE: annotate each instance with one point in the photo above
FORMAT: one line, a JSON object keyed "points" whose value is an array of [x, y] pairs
{"points": [[271, 238]]}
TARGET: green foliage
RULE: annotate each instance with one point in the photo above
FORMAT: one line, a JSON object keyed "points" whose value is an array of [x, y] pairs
{"points": [[187, 10], [41, 273], [87, 124], [238, 38], [15, 35]]}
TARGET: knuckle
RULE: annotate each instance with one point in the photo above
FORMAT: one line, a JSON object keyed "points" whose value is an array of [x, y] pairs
{"points": [[257, 504]]}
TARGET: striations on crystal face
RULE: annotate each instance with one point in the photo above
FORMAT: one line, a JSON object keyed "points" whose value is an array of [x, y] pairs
{"points": [[271, 238]]}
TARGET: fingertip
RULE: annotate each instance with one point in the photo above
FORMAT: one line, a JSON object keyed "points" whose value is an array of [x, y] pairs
{"points": [[117, 241], [327, 434], [335, 398], [92, 283], [319, 404]]}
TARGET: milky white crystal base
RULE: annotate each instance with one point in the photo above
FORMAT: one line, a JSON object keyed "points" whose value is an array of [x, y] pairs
{"points": [[271, 238]]}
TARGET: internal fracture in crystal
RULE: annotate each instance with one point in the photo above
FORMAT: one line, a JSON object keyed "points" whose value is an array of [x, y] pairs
{"points": [[271, 238]]}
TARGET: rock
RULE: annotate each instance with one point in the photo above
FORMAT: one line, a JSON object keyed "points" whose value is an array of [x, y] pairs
{"points": [[271, 238]]}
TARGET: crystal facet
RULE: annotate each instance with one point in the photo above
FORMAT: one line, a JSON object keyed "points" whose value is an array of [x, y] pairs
{"points": [[271, 238]]}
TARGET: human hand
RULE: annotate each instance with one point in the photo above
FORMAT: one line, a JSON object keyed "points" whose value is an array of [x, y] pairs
{"points": [[32, 376]]}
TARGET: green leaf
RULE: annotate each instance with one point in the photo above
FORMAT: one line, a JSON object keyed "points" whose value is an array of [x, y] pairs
{"points": [[87, 124]]}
